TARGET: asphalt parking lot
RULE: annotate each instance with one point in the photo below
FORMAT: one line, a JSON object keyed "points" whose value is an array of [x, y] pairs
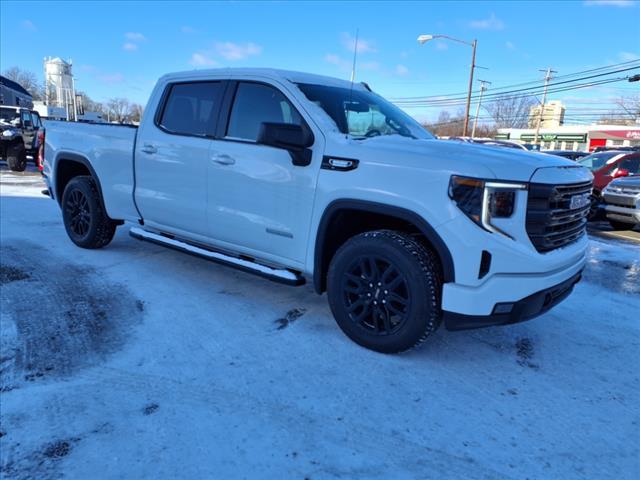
{"points": [[140, 362]]}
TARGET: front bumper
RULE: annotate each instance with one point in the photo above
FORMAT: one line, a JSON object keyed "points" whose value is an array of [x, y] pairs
{"points": [[524, 309]]}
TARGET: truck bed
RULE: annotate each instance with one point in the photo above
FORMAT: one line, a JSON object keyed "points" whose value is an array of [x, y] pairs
{"points": [[108, 149]]}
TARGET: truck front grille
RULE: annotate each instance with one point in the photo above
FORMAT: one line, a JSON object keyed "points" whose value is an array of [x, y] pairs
{"points": [[551, 223]]}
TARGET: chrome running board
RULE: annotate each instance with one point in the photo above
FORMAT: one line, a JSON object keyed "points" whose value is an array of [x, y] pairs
{"points": [[279, 275]]}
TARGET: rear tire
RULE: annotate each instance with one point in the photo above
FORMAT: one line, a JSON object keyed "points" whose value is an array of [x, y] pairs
{"points": [[620, 225], [17, 158], [84, 216], [384, 290]]}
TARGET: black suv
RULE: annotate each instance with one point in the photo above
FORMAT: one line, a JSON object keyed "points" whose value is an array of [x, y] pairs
{"points": [[20, 135]]}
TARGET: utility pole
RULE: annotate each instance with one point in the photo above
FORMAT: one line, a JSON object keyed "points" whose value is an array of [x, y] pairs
{"points": [[475, 120], [473, 66], [547, 77]]}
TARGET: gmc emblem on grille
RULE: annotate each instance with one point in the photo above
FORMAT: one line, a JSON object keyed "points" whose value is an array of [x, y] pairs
{"points": [[579, 201]]}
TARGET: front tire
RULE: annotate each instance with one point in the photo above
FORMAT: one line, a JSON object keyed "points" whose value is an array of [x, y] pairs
{"points": [[620, 225], [84, 216], [384, 290], [17, 158]]}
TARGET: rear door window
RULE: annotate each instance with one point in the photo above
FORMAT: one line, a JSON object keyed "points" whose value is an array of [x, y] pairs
{"points": [[192, 108], [256, 103]]}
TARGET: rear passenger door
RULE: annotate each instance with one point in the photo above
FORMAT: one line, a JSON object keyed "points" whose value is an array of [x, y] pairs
{"points": [[171, 158]]}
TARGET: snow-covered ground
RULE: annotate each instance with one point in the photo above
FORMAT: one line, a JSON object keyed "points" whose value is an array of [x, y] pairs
{"points": [[139, 362]]}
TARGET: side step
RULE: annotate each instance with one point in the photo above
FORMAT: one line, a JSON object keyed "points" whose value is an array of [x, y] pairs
{"points": [[277, 275]]}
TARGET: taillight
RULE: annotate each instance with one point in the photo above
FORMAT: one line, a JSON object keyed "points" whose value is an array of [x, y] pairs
{"points": [[40, 160]]}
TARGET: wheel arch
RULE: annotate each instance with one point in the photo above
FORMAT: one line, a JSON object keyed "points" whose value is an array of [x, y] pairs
{"points": [[70, 165], [329, 238]]}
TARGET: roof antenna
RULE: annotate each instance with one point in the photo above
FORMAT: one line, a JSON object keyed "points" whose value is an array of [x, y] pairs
{"points": [[353, 77], [355, 52]]}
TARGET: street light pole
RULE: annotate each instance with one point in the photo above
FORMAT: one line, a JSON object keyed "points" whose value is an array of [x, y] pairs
{"points": [[475, 120], [473, 65], [422, 39]]}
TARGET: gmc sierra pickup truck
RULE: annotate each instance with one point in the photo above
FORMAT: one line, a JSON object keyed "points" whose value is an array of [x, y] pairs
{"points": [[301, 177]]}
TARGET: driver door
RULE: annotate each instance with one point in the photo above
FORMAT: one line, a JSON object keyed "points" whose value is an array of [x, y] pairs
{"points": [[259, 202]]}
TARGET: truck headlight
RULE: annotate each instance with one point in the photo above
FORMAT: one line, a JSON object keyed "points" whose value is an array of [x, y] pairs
{"points": [[483, 200], [9, 133]]}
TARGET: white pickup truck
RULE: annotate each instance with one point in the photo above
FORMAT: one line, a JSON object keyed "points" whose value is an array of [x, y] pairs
{"points": [[295, 176]]}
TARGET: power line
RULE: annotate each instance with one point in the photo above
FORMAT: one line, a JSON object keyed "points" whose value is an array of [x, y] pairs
{"points": [[496, 97], [511, 92], [537, 82]]}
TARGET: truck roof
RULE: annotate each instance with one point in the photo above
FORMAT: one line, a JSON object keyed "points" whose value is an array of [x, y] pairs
{"points": [[272, 73]]}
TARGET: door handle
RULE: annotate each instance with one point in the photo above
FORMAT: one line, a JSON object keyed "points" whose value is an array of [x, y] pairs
{"points": [[224, 160], [148, 148]]}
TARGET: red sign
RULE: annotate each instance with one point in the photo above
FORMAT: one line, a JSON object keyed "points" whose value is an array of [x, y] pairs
{"points": [[631, 134]]}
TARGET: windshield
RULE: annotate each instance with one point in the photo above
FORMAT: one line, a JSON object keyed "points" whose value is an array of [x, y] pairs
{"points": [[9, 116], [598, 160], [363, 114]]}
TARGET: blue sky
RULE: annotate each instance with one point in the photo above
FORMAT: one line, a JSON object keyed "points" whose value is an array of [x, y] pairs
{"points": [[120, 49]]}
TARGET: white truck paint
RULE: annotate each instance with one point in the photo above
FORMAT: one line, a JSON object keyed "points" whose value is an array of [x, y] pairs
{"points": [[247, 198]]}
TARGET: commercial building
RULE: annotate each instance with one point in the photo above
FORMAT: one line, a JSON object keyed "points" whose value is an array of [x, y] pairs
{"points": [[13, 94], [575, 137], [550, 117]]}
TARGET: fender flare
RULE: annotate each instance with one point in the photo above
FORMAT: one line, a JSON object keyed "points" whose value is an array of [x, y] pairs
{"points": [[74, 157], [446, 260]]}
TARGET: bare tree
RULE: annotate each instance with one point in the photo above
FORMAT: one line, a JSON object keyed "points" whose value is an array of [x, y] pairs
{"points": [[118, 110], [26, 80], [510, 111], [447, 125], [629, 107], [136, 111]]}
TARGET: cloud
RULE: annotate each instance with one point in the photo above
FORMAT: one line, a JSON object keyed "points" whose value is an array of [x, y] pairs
{"points": [[491, 23], [608, 3], [369, 66], [201, 59], [28, 25], [338, 61], [111, 78], [135, 36], [130, 47], [509, 45], [364, 46], [236, 51], [628, 56], [402, 70]]}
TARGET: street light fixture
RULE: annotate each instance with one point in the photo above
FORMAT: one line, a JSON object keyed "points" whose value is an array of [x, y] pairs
{"points": [[422, 39]]}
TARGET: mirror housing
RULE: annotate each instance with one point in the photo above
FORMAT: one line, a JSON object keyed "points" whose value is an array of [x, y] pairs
{"points": [[621, 172], [294, 138]]}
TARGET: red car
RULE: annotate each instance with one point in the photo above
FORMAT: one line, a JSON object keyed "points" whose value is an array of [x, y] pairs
{"points": [[607, 166]]}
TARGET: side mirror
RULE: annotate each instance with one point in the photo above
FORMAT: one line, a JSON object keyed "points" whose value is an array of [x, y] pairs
{"points": [[621, 172], [294, 138], [28, 124]]}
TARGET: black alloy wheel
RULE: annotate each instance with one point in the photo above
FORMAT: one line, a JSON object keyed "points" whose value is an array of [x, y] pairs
{"points": [[376, 295], [77, 208]]}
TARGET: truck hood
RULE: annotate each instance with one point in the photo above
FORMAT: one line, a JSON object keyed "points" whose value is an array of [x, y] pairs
{"points": [[458, 157]]}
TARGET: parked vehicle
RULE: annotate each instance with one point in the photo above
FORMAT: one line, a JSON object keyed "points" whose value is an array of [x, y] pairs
{"points": [[622, 202], [21, 135], [630, 148], [294, 176], [607, 166], [570, 154]]}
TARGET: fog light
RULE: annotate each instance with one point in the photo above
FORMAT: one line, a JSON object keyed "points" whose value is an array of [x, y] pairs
{"points": [[502, 308]]}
